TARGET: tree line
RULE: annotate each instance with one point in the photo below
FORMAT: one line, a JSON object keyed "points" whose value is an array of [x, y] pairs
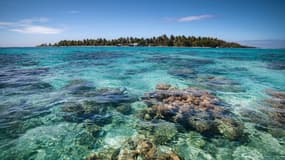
{"points": [[163, 40]]}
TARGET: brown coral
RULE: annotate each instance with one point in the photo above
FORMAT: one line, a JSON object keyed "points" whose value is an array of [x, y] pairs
{"points": [[143, 149], [277, 104], [193, 108]]}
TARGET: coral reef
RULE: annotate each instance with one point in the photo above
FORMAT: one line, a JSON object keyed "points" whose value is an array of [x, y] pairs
{"points": [[50, 142], [221, 84], [182, 72], [80, 87], [194, 109], [97, 108], [276, 65], [85, 88], [143, 149], [163, 86], [244, 153], [96, 113], [277, 104], [160, 132], [124, 109]]}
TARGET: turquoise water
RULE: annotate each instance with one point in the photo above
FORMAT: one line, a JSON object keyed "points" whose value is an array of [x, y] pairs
{"points": [[78, 102]]}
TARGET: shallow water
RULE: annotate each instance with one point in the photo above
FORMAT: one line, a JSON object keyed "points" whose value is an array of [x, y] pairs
{"points": [[73, 102]]}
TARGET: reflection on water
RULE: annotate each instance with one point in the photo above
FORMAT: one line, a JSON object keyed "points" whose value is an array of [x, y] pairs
{"points": [[142, 103]]}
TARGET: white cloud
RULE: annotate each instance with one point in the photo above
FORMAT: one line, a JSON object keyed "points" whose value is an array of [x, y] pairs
{"points": [[31, 26], [194, 18], [3, 24], [37, 30], [34, 20]]}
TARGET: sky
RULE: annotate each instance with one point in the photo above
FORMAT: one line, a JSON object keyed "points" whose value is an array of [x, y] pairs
{"points": [[32, 22]]}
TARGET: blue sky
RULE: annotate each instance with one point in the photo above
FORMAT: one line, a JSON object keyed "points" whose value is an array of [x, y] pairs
{"points": [[31, 22]]}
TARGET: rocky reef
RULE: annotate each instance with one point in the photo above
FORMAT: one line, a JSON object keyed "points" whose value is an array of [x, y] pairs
{"points": [[277, 104], [137, 148], [274, 61], [50, 142], [23, 81], [144, 149], [160, 132], [182, 72], [88, 110], [276, 65], [270, 116], [83, 88], [219, 83], [194, 109], [98, 106]]}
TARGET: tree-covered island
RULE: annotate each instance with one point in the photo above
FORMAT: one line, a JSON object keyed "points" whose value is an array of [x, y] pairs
{"points": [[163, 40]]}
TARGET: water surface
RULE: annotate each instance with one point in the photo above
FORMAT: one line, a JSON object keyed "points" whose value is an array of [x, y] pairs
{"points": [[73, 102]]}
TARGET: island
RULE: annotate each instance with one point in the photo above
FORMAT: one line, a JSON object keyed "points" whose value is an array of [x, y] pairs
{"points": [[163, 40]]}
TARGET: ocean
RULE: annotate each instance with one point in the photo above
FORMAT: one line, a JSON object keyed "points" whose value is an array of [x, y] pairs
{"points": [[142, 103]]}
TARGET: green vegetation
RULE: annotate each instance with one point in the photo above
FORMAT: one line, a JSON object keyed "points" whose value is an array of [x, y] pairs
{"points": [[164, 40]]}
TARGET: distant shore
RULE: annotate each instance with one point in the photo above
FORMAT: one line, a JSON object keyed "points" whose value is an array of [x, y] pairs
{"points": [[145, 47], [160, 41]]}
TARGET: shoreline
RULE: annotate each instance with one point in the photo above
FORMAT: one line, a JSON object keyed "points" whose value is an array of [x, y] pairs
{"points": [[137, 47]]}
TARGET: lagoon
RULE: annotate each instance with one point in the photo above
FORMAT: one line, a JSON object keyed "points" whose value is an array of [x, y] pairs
{"points": [[126, 102]]}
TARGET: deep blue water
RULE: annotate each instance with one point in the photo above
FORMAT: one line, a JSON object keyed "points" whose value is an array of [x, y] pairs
{"points": [[72, 102]]}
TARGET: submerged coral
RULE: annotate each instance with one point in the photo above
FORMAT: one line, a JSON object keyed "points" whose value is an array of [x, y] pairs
{"points": [[85, 88], [50, 142], [135, 149], [276, 65], [247, 153], [182, 72], [80, 87], [23, 81], [180, 62], [192, 147], [163, 86], [221, 84], [124, 109], [98, 102], [76, 112], [161, 132], [276, 94], [277, 103], [195, 109]]}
